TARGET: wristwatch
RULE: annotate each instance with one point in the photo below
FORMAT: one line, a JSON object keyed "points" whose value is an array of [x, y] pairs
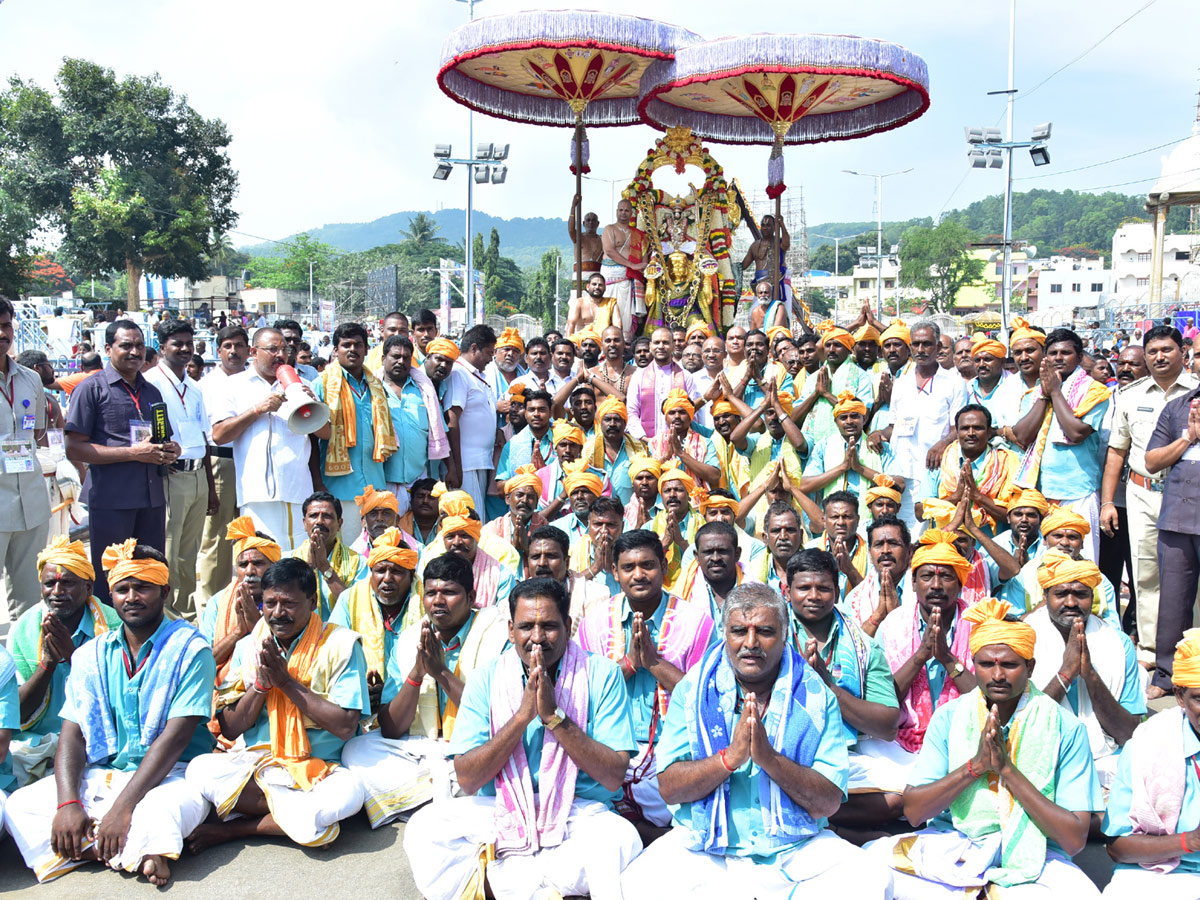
{"points": [[958, 669], [555, 720]]}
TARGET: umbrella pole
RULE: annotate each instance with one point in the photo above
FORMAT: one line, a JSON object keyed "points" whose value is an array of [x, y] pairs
{"points": [[775, 248], [579, 205]]}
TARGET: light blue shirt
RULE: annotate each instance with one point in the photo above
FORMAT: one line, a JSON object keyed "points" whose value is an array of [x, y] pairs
{"points": [[747, 836], [993, 401], [363, 468], [934, 670], [1075, 785], [572, 525], [829, 453], [193, 697], [617, 473], [396, 674], [519, 452], [341, 616], [10, 717], [410, 419], [1071, 471], [608, 723], [1117, 822], [348, 690], [1013, 590]]}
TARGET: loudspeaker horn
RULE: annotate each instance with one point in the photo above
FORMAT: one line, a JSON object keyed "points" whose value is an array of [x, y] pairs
{"points": [[304, 415]]}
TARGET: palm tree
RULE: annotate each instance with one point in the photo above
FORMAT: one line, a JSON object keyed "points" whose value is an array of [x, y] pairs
{"points": [[422, 230]]}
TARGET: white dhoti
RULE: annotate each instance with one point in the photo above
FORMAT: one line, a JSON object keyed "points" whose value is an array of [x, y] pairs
{"points": [[1106, 771], [949, 863], [33, 758], [165, 816], [879, 766], [1138, 884], [630, 301], [310, 818], [352, 525], [445, 843], [475, 483], [1089, 508], [399, 775], [825, 865], [641, 798], [284, 522]]}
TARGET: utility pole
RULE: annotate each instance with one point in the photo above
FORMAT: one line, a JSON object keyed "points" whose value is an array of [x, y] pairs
{"points": [[1006, 283]]}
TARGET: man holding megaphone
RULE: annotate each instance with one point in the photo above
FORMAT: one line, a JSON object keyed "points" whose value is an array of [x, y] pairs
{"points": [[263, 413]]}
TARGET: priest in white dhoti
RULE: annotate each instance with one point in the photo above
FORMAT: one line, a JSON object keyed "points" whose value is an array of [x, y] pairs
{"points": [[542, 739], [1005, 780], [1085, 663], [294, 694], [753, 761], [403, 763]]}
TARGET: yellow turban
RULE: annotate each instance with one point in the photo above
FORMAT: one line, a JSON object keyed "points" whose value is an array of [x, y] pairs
{"points": [[69, 555], [704, 501], [1058, 568], [981, 343], [885, 486], [585, 334], [778, 331], [451, 524], [673, 472], [937, 548], [1185, 672], [442, 347], [1031, 498], [390, 546], [640, 464], [989, 627], [786, 400], [455, 503], [896, 330], [565, 431], [517, 392], [1061, 517], [867, 333], [841, 335], [612, 406], [940, 512], [241, 532], [119, 563], [678, 399], [724, 407], [510, 337], [1019, 330], [371, 499], [698, 328], [576, 475], [825, 325], [526, 477], [439, 489], [847, 402]]}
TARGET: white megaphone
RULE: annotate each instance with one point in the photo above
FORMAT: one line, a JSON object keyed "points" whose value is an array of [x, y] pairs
{"points": [[304, 414]]}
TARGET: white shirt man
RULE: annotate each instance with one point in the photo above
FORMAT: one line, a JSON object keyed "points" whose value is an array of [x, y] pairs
{"points": [[476, 428]]}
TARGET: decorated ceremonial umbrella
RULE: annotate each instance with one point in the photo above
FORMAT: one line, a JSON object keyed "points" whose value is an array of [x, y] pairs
{"points": [[785, 89], [557, 67]]}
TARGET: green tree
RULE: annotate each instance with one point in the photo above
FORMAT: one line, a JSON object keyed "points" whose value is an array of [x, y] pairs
{"points": [[289, 270], [126, 170], [421, 232], [17, 224], [539, 290], [938, 261]]}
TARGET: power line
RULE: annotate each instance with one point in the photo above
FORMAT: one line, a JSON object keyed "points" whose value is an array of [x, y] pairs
{"points": [[1136, 181], [1105, 162]]}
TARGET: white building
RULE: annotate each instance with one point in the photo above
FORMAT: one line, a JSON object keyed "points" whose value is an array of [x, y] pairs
{"points": [[864, 285], [1131, 250], [1066, 283]]}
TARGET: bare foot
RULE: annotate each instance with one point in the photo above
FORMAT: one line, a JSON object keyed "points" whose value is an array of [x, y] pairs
{"points": [[208, 835], [1154, 692], [156, 870]]}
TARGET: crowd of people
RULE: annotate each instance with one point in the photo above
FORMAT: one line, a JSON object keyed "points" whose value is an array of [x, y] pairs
{"points": [[708, 614]]}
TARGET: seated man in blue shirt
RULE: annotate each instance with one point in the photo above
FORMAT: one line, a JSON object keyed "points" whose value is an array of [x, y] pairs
{"points": [[134, 714], [294, 693], [1153, 815], [753, 762], [543, 737], [1005, 780]]}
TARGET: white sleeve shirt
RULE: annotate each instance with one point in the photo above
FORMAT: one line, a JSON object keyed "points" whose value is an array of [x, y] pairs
{"points": [[185, 410]]}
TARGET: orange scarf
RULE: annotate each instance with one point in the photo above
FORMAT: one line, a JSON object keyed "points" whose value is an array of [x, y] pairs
{"points": [[342, 417], [290, 746]]}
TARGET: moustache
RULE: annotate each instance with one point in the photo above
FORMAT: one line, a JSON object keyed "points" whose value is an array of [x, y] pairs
{"points": [[277, 623], [751, 654]]}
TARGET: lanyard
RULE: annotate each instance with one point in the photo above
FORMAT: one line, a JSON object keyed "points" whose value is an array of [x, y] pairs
{"points": [[129, 669], [12, 389], [134, 397], [354, 389], [180, 394]]}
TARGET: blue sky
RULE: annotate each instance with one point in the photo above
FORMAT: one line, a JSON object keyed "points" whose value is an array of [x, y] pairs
{"points": [[334, 108]]}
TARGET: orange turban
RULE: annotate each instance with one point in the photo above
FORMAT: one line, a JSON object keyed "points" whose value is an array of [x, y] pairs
{"points": [[442, 347], [847, 402], [866, 333], [390, 547], [455, 503], [841, 335], [451, 524], [69, 555], [612, 406], [526, 477], [517, 392], [698, 328], [824, 326], [1061, 517], [724, 407], [1186, 671], [640, 464], [940, 512], [1058, 568], [989, 627], [1019, 330], [786, 400], [565, 431], [673, 472], [937, 548], [577, 475], [678, 399], [776, 331], [371, 499], [705, 501], [896, 330], [119, 563], [241, 532], [585, 334], [885, 486], [1031, 498], [981, 343], [439, 489], [510, 337]]}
